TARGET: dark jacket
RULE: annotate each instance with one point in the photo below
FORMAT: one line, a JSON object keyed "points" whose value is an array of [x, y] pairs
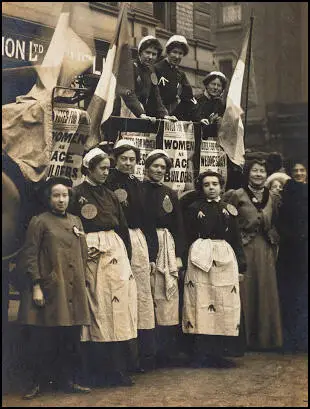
{"points": [[205, 107], [175, 91], [55, 256], [216, 224], [145, 98], [159, 215]]}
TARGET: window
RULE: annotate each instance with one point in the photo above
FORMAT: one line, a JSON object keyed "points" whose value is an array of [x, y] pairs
{"points": [[226, 67], [231, 14], [165, 12]]}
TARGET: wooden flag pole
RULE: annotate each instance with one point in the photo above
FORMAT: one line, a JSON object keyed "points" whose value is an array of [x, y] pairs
{"points": [[248, 75]]}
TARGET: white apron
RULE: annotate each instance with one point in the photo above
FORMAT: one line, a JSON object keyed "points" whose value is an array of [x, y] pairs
{"points": [[112, 291], [164, 282], [140, 266], [211, 290]]}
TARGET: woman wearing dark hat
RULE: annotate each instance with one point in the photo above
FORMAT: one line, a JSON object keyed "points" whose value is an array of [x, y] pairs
{"points": [[257, 212], [128, 190], [292, 266], [166, 246], [175, 90], [111, 286], [54, 303], [211, 309], [145, 101], [211, 107]]}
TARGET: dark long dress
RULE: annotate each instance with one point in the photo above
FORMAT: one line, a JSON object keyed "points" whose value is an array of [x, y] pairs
{"points": [[292, 266], [259, 291]]}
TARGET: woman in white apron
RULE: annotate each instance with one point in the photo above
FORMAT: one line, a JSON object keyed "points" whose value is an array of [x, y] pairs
{"points": [[111, 286], [165, 237], [128, 190], [211, 309]]}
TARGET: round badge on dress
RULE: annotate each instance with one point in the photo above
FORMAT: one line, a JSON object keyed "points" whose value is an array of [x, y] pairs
{"points": [[167, 204], [121, 194], [232, 210], [89, 211], [154, 78]]}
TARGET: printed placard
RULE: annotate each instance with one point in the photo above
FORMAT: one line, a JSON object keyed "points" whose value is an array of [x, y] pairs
{"points": [[212, 157], [71, 127], [146, 142], [179, 143]]}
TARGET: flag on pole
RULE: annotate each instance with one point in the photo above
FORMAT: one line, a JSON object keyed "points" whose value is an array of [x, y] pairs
{"points": [[252, 95], [231, 132], [67, 55], [116, 78]]}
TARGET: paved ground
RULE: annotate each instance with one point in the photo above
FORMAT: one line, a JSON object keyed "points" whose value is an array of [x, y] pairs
{"points": [[261, 379]]}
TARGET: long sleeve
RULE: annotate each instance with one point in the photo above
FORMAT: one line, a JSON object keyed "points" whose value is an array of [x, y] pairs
{"points": [[122, 229], [178, 231], [31, 251], [161, 110], [132, 102], [236, 244]]}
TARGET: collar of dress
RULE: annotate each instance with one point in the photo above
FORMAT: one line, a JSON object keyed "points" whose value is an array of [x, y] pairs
{"points": [[214, 200]]}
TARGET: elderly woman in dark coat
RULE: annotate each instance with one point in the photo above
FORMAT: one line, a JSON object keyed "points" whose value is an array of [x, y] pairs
{"points": [[166, 242], [111, 286], [54, 302], [292, 266], [257, 212], [211, 311]]}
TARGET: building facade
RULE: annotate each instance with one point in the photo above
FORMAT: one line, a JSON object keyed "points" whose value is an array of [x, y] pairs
{"points": [[214, 30], [279, 119], [28, 28]]}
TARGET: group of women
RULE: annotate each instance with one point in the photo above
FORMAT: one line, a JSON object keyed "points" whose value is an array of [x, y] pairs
{"points": [[122, 274], [105, 266]]}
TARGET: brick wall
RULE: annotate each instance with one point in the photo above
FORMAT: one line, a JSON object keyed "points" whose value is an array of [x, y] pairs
{"points": [[185, 19]]}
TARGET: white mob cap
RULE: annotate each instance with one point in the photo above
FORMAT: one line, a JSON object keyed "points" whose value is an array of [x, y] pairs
{"points": [[124, 142], [156, 151], [177, 39], [144, 39], [91, 155]]}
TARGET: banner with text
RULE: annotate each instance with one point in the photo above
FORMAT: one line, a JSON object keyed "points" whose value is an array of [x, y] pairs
{"points": [[212, 157], [179, 143], [71, 128], [146, 142]]}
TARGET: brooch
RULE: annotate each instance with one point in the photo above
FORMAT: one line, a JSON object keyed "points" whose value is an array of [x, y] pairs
{"points": [[167, 205], [121, 194], [232, 210], [89, 211], [201, 215]]}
